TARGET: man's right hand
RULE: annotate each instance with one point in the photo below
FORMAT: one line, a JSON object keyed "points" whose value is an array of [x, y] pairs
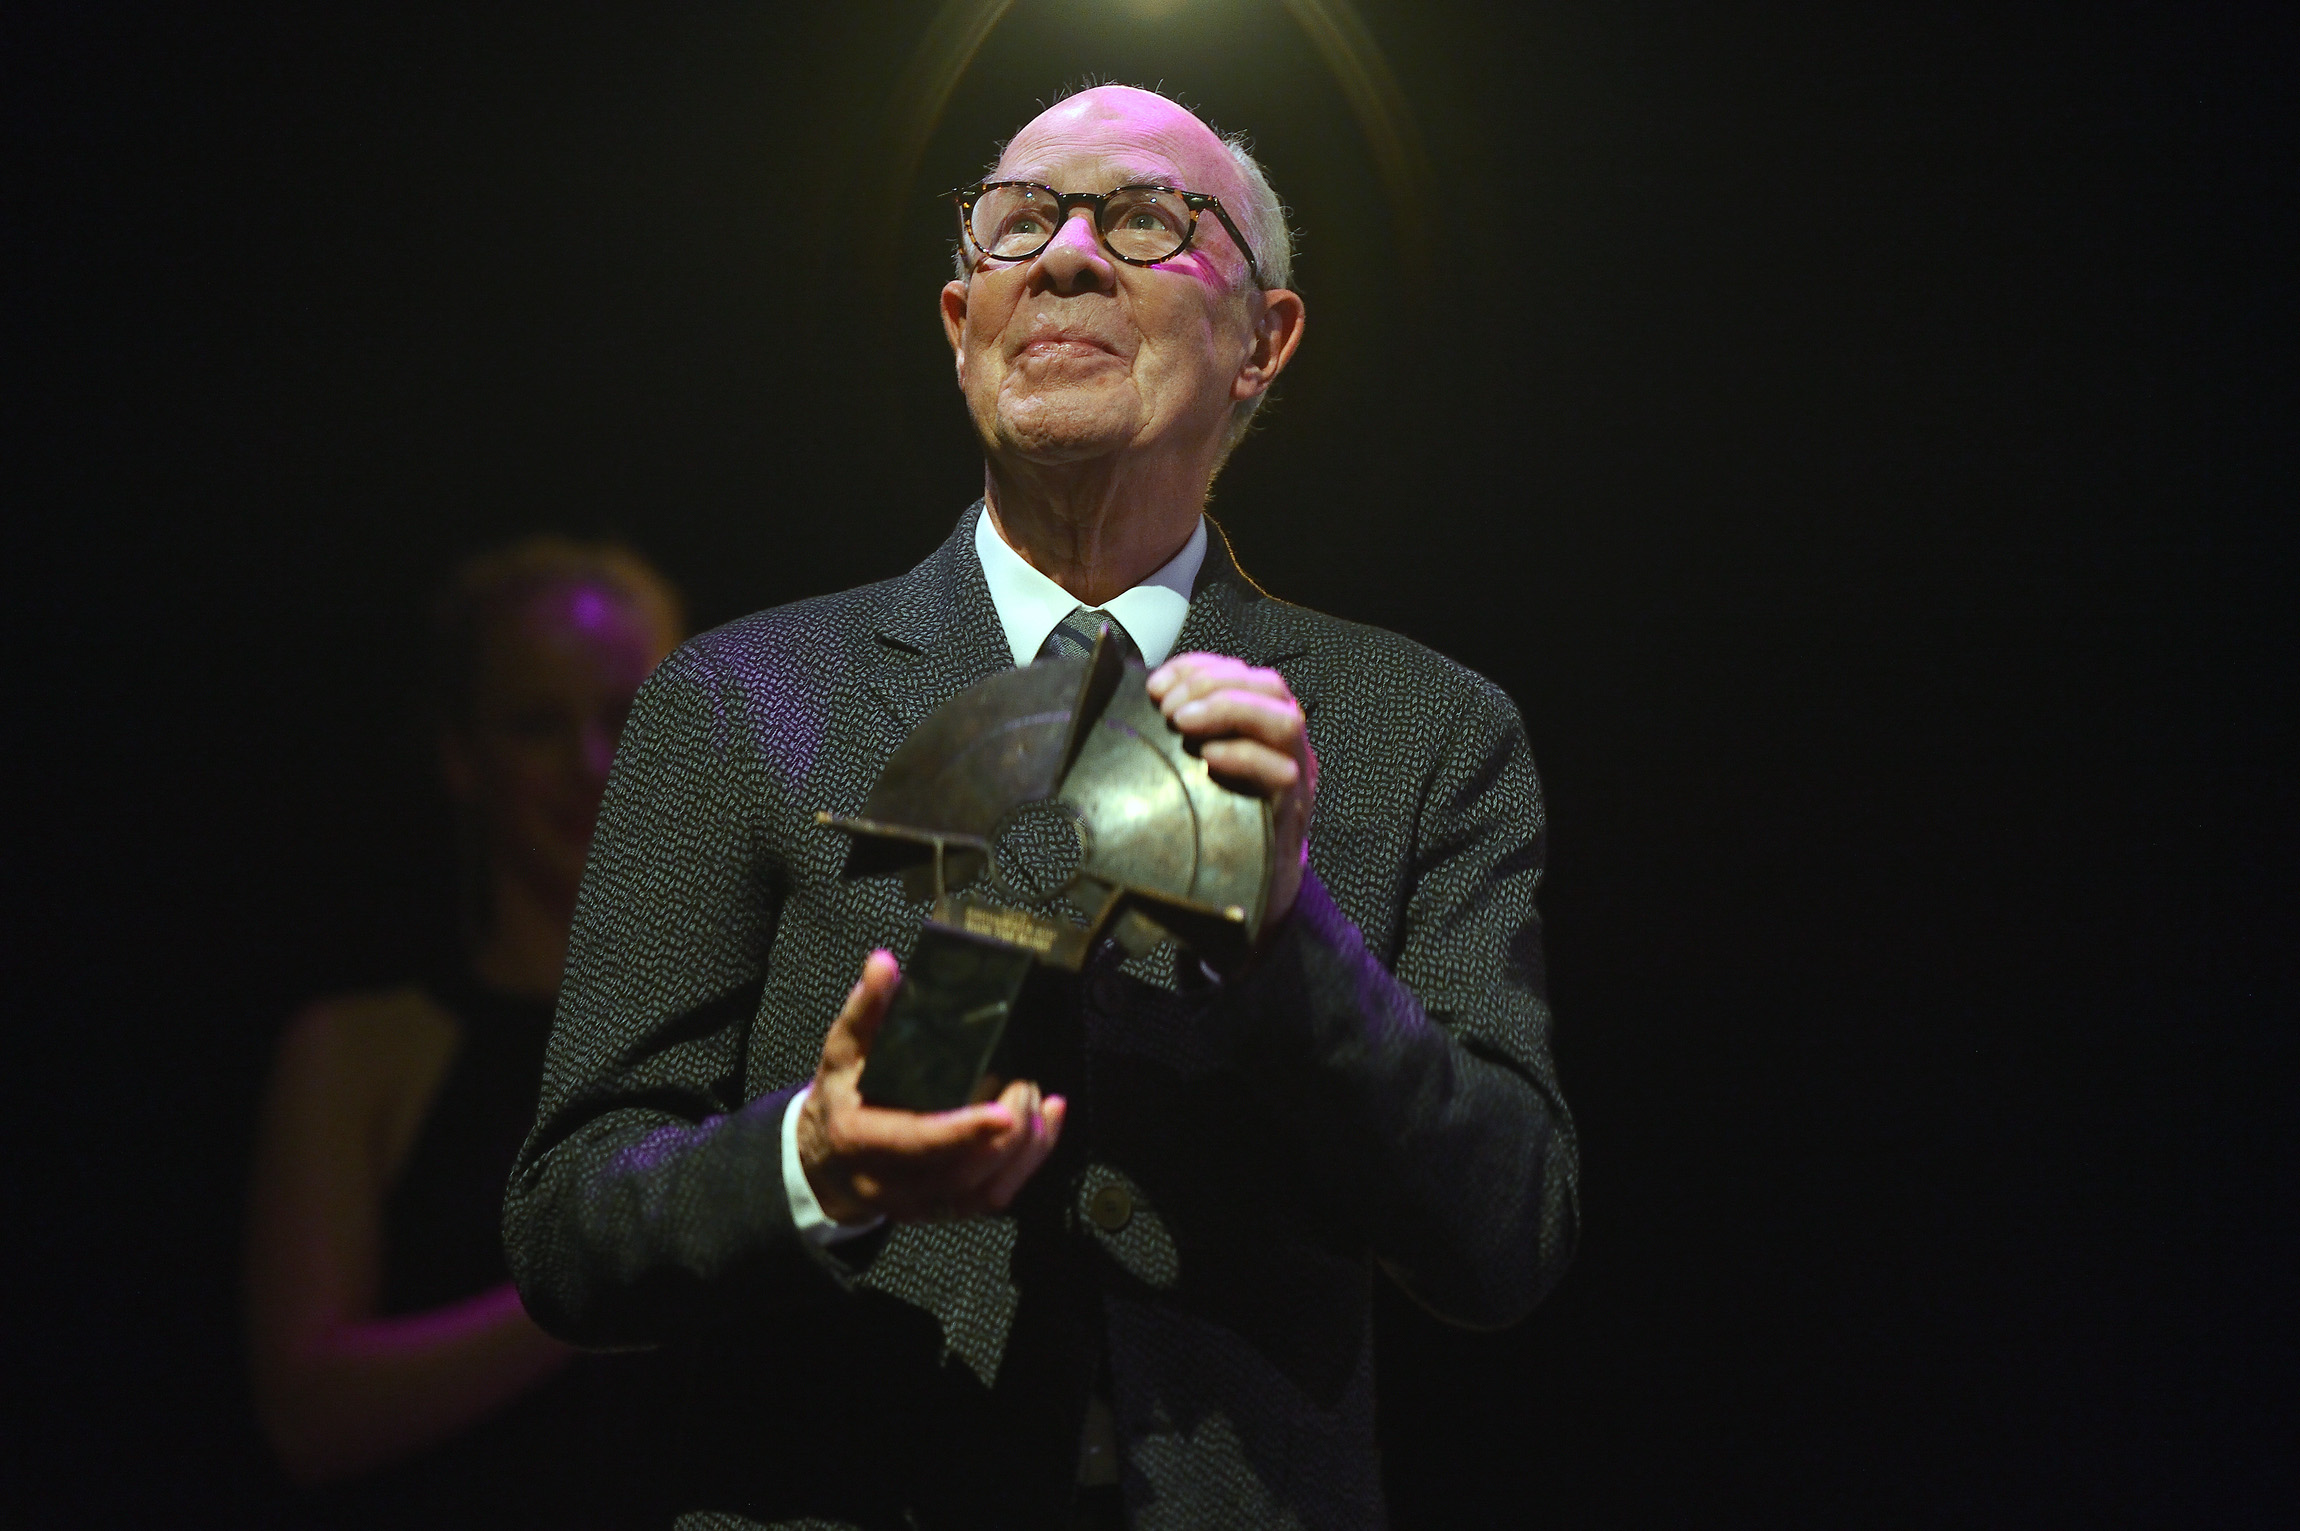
{"points": [[867, 1161]]}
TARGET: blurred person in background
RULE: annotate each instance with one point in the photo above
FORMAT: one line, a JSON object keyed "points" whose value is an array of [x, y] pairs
{"points": [[396, 1375]]}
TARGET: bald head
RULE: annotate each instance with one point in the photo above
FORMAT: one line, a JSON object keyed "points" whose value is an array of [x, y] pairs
{"points": [[1166, 139]]}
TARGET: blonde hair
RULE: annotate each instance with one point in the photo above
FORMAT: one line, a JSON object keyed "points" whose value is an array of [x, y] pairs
{"points": [[488, 588]]}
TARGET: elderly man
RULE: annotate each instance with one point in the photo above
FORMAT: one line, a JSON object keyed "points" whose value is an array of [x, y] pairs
{"points": [[1136, 1288]]}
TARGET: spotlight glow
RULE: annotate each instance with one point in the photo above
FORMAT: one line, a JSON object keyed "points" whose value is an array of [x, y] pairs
{"points": [[1335, 31]]}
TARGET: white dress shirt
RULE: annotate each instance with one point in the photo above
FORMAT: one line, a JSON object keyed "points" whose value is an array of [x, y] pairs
{"points": [[1029, 607]]}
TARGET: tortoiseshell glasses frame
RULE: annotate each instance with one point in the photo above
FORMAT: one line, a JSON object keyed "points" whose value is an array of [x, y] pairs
{"points": [[1167, 203]]}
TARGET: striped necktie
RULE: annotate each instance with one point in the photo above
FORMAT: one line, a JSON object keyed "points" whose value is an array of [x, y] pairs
{"points": [[1073, 636]]}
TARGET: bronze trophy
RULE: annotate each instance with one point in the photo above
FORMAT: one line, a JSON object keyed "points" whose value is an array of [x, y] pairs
{"points": [[1060, 777]]}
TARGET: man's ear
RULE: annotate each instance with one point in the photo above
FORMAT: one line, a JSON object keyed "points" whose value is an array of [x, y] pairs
{"points": [[1277, 330], [954, 321]]}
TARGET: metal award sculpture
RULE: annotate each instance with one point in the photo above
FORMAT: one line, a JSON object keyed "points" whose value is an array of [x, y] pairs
{"points": [[1060, 777]]}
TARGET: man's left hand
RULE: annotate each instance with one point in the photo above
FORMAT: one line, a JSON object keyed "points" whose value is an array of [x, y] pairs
{"points": [[1251, 732]]}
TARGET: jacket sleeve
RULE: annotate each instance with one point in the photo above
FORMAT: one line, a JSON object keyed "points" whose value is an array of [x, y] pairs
{"points": [[648, 1200], [1428, 1091]]}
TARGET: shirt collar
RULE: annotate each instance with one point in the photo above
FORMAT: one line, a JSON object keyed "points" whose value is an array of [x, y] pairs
{"points": [[1029, 604]]}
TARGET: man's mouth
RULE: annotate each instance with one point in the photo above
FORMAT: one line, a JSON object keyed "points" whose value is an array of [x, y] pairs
{"points": [[1059, 347]]}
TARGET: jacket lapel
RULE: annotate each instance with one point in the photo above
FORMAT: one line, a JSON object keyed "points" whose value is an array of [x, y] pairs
{"points": [[937, 631], [1229, 613]]}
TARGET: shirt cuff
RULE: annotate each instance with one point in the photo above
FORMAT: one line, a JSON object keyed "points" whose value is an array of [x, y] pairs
{"points": [[807, 1215]]}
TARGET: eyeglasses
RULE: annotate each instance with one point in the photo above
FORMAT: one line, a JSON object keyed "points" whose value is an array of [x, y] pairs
{"points": [[1140, 225]]}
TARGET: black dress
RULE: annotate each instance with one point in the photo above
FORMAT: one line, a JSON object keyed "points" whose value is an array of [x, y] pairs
{"points": [[576, 1452]]}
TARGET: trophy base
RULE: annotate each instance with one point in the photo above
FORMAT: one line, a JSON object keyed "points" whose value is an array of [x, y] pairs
{"points": [[942, 1029]]}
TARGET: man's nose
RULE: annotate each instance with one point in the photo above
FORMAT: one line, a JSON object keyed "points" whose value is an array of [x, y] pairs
{"points": [[1075, 261]]}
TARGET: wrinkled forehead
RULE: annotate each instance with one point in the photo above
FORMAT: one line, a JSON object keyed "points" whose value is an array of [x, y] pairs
{"points": [[1112, 137]]}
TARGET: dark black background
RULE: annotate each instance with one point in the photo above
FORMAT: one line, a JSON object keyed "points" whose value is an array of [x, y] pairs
{"points": [[1861, 440]]}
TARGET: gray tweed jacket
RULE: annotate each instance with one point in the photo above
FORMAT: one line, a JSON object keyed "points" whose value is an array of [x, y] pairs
{"points": [[1377, 1089]]}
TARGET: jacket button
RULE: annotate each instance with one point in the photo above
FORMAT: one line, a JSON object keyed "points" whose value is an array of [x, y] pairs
{"points": [[1112, 1208]]}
